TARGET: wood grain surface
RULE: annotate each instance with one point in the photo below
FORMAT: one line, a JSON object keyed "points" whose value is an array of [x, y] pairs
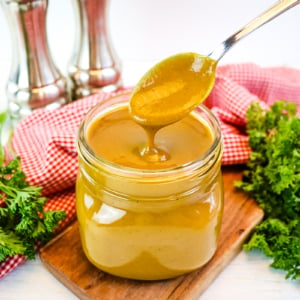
{"points": [[64, 258]]}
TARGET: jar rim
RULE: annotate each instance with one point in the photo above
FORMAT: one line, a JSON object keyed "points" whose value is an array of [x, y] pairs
{"points": [[95, 159]]}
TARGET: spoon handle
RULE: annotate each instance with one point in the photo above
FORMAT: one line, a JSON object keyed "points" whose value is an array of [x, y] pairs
{"points": [[271, 13]]}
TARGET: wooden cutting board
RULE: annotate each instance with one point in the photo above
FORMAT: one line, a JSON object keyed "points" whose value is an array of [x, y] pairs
{"points": [[64, 258]]}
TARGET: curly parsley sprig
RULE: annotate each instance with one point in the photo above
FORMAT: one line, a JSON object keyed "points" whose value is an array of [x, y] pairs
{"points": [[272, 178], [23, 221]]}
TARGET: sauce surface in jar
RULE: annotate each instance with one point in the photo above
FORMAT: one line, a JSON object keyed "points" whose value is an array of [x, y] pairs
{"points": [[149, 220], [117, 138]]}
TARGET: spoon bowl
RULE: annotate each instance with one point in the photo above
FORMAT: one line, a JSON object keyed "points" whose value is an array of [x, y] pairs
{"points": [[171, 89]]}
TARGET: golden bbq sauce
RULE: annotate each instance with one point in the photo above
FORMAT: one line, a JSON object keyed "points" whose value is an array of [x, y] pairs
{"points": [[117, 138], [145, 216]]}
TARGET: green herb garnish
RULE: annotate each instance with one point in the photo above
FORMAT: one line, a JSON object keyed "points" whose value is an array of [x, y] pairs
{"points": [[272, 178], [23, 221]]}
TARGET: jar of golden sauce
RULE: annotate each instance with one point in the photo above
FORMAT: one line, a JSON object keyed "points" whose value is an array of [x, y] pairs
{"points": [[148, 220]]}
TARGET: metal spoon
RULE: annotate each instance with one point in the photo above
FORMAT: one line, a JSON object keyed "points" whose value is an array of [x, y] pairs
{"points": [[271, 13], [175, 86]]}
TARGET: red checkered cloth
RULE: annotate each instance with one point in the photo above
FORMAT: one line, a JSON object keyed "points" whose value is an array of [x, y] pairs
{"points": [[45, 140]]}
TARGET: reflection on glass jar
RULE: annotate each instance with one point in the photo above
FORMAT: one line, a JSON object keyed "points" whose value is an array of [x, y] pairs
{"points": [[148, 222]]}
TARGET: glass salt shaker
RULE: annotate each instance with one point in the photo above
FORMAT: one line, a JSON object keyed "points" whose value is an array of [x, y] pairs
{"points": [[34, 81]]}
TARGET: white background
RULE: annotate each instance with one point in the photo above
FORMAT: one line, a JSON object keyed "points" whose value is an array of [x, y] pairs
{"points": [[143, 32]]}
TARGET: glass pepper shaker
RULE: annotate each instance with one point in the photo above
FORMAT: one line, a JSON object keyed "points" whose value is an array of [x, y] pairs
{"points": [[34, 81], [94, 65]]}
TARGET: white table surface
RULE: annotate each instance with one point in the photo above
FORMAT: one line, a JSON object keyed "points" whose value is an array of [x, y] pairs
{"points": [[144, 32]]}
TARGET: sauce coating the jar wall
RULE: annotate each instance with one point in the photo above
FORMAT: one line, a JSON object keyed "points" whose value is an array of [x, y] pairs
{"points": [[144, 220]]}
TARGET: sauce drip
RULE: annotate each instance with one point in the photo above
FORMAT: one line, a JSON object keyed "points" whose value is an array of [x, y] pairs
{"points": [[151, 152], [167, 93]]}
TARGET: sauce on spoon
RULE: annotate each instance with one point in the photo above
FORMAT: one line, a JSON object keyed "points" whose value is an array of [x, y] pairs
{"points": [[167, 93]]}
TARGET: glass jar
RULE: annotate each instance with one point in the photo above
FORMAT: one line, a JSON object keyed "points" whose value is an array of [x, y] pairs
{"points": [[148, 224]]}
